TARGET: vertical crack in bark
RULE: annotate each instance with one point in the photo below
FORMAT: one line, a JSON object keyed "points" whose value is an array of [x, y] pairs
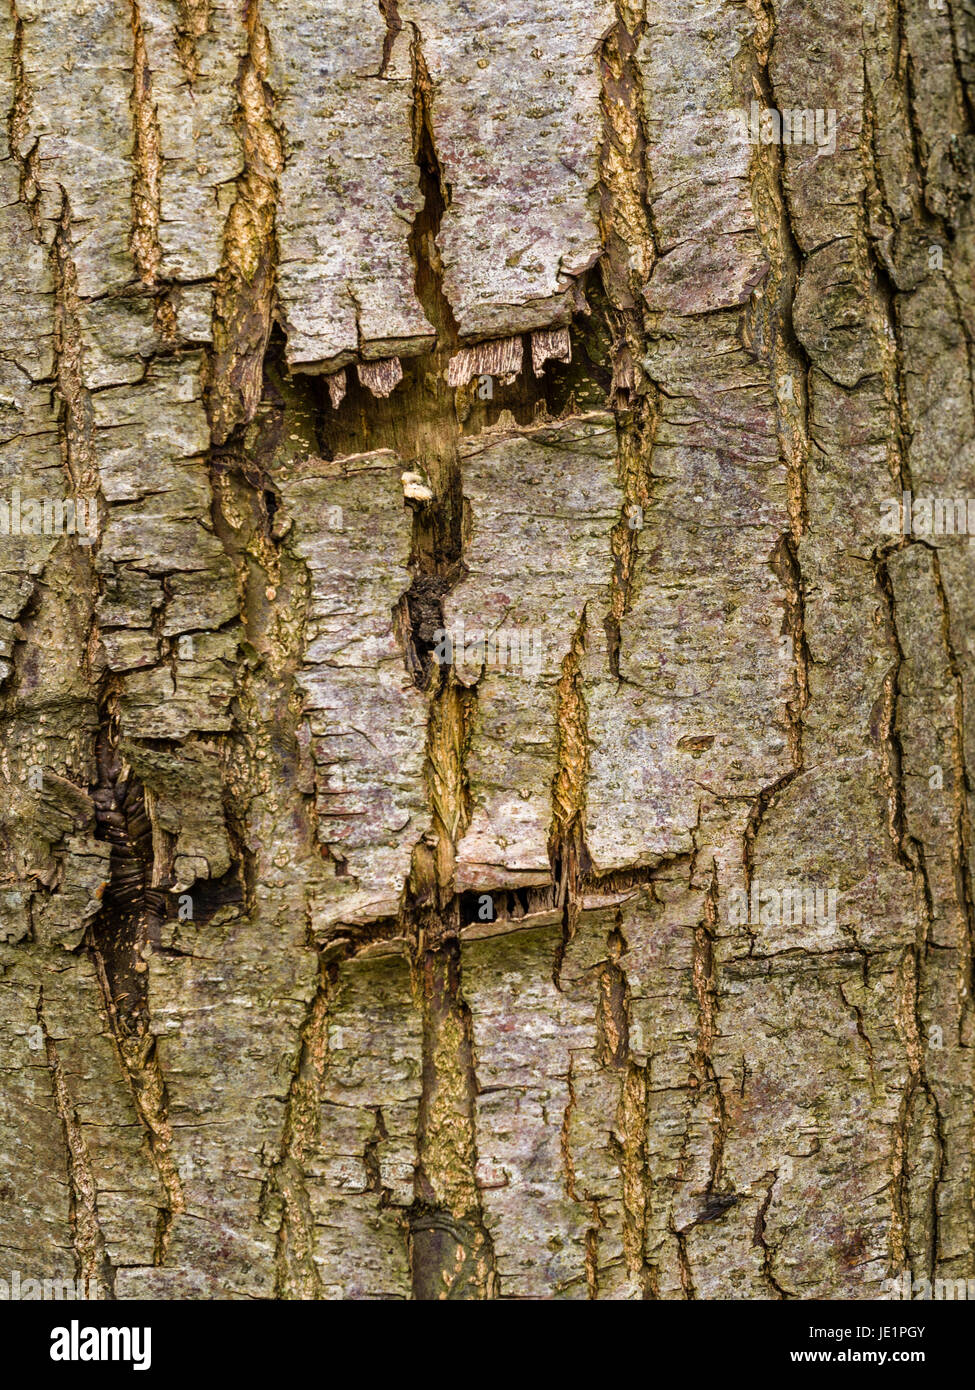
{"points": [[629, 250], [192, 24], [451, 1253], [919, 1140], [448, 740], [905, 1246], [75, 422], [758, 1239], [939, 227], [636, 432], [773, 337], [432, 427], [704, 976], [909, 852], [570, 1180], [962, 781], [892, 356], [120, 941], [629, 255], [862, 1034], [94, 1269], [631, 1121], [565, 1147], [753, 824], [785, 563], [683, 1263], [75, 417], [958, 15], [613, 1013], [453, 1256], [389, 10], [592, 1257], [18, 127], [244, 294], [629, 1137], [567, 835], [296, 1274], [144, 236], [904, 74], [436, 199], [371, 1160]]}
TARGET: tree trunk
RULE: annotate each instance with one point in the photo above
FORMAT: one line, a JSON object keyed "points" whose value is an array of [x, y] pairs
{"points": [[486, 745]]}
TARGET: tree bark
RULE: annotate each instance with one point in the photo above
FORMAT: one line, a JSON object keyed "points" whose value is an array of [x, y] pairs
{"points": [[487, 794]]}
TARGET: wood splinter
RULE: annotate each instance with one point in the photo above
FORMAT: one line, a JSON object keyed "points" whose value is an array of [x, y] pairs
{"points": [[550, 344], [502, 357], [381, 377], [337, 388]]}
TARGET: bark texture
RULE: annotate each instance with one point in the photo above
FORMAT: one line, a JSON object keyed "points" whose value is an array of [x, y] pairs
{"points": [[331, 967]]}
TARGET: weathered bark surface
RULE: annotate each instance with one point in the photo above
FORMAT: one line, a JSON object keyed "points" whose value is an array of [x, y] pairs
{"points": [[332, 969]]}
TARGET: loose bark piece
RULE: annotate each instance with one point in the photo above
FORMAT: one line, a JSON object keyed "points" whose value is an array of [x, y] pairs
{"points": [[501, 357], [336, 388], [380, 377], [550, 345]]}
